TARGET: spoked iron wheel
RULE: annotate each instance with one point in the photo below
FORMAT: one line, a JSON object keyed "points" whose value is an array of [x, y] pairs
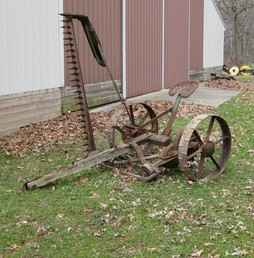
{"points": [[141, 114], [205, 147], [139, 123], [143, 117]]}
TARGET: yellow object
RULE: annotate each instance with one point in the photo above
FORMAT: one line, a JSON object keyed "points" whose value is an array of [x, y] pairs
{"points": [[234, 71], [245, 69]]}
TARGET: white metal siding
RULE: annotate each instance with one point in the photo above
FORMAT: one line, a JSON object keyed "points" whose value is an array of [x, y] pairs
{"points": [[31, 49], [213, 36]]}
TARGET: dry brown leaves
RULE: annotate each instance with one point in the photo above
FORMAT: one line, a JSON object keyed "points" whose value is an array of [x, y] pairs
{"points": [[103, 121], [184, 110], [44, 135], [230, 85]]}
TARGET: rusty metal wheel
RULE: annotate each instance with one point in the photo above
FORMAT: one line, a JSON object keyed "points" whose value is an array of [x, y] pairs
{"points": [[141, 114], [205, 147], [142, 120]]}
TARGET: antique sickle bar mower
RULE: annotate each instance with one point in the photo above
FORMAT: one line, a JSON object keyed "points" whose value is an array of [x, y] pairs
{"points": [[201, 149]]}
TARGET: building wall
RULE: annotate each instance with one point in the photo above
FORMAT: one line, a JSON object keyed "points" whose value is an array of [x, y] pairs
{"points": [[143, 46], [149, 63], [31, 61], [196, 35], [213, 36], [31, 56], [176, 41], [106, 19], [22, 109]]}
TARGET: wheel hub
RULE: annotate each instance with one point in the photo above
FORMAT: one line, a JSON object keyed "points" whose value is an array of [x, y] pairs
{"points": [[209, 165], [209, 149]]}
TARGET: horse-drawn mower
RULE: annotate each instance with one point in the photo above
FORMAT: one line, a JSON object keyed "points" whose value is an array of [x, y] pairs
{"points": [[201, 149]]}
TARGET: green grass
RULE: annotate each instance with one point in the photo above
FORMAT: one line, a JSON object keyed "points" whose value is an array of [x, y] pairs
{"points": [[245, 78], [100, 215]]}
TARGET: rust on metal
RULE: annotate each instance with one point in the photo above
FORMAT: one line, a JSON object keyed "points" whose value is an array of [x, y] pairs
{"points": [[201, 150], [77, 81], [151, 152], [195, 152]]}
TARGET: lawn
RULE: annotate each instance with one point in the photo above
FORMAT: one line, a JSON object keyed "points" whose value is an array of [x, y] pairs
{"points": [[102, 215]]}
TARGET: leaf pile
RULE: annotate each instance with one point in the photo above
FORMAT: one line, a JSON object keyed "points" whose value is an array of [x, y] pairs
{"points": [[103, 121], [230, 85], [66, 128], [42, 135]]}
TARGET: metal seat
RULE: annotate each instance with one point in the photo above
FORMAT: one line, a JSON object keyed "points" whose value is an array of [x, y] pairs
{"points": [[184, 89]]}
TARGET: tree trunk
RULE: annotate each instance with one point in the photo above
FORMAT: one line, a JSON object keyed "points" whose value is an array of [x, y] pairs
{"points": [[235, 39]]}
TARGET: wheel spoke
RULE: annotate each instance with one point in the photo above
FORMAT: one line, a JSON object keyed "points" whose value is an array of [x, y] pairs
{"points": [[219, 141], [198, 137], [195, 153], [132, 115], [199, 155], [201, 165], [222, 139], [143, 116], [143, 119], [210, 128], [215, 162]]}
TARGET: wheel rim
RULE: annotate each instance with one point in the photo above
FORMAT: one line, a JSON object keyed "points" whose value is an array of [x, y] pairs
{"points": [[142, 113], [205, 147]]}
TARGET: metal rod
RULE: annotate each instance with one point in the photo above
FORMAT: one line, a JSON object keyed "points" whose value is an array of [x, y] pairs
{"points": [[122, 100], [157, 117], [172, 119]]}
